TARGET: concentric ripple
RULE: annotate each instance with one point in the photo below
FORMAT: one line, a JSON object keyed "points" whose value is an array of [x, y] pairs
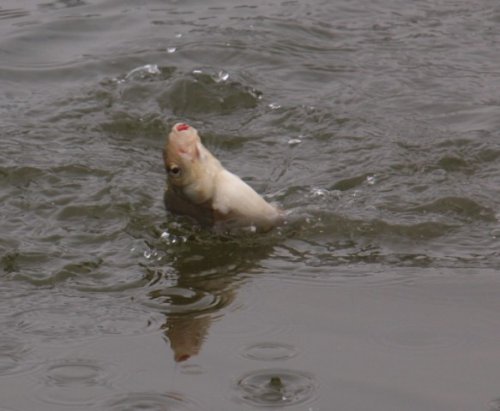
{"points": [[179, 300], [57, 325], [14, 356], [269, 351], [75, 382], [150, 401], [276, 387]]}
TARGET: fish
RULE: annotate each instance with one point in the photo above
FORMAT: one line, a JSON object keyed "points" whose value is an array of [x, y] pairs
{"points": [[200, 187]]}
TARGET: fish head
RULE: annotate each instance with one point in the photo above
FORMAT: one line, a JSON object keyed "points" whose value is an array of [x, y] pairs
{"points": [[182, 155]]}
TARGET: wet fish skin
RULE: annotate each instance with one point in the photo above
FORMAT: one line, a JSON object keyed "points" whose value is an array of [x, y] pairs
{"points": [[200, 187]]}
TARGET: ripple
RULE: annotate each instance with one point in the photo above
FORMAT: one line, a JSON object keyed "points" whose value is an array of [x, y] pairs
{"points": [[306, 263], [269, 351], [12, 13], [143, 70], [63, 4], [459, 206], [59, 324], [208, 92], [191, 369], [276, 387], [179, 300], [421, 338], [150, 401], [253, 322], [55, 323], [352, 182], [14, 355], [75, 382]]}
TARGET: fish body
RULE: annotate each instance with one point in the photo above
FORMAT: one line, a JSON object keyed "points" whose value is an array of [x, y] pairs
{"points": [[199, 186]]}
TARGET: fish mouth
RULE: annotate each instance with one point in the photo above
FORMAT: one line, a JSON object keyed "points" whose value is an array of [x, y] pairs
{"points": [[182, 127]]}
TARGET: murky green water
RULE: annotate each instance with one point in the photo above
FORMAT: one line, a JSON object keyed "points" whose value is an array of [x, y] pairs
{"points": [[374, 124]]}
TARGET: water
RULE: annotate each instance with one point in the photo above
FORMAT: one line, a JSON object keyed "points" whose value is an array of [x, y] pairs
{"points": [[374, 124]]}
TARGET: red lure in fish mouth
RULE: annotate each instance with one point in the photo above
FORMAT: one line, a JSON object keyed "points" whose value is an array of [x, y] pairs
{"points": [[182, 127]]}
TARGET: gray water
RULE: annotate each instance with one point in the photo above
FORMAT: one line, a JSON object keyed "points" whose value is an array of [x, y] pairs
{"points": [[375, 124]]}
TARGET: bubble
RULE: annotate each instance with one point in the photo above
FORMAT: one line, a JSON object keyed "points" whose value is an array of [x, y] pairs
{"points": [[495, 233], [318, 192], [255, 93], [146, 69], [276, 387], [172, 239], [148, 254], [222, 76]]}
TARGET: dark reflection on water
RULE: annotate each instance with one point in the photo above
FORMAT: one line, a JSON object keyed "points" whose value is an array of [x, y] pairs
{"points": [[208, 270]]}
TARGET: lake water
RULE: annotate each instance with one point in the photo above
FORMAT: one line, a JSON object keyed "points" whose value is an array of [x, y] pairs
{"points": [[375, 124]]}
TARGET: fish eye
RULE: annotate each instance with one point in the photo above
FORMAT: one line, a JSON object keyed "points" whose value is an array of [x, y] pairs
{"points": [[174, 171]]}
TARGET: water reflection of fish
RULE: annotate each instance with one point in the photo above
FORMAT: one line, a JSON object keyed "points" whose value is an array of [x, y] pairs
{"points": [[186, 329], [186, 335], [211, 273], [200, 187]]}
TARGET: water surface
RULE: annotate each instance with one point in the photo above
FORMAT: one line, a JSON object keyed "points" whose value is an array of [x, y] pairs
{"points": [[374, 124]]}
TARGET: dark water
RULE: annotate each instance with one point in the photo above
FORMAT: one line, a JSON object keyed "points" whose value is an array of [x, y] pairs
{"points": [[374, 123]]}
